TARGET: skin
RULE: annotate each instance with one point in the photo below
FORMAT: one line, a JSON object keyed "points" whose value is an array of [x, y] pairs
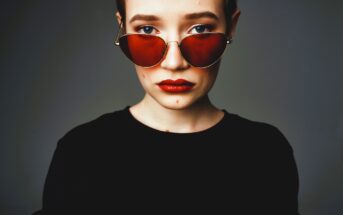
{"points": [[185, 112]]}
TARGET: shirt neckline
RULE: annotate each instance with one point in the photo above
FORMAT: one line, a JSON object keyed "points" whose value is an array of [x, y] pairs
{"points": [[147, 128]]}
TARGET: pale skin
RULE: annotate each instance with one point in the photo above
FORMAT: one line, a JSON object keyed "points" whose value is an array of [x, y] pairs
{"points": [[185, 112]]}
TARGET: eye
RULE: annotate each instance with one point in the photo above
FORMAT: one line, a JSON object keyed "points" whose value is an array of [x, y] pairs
{"points": [[201, 29], [146, 29]]}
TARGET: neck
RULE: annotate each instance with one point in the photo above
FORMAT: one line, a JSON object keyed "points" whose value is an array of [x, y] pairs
{"points": [[199, 116]]}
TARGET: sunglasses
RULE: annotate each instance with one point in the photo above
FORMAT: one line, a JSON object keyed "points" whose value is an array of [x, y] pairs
{"points": [[199, 50]]}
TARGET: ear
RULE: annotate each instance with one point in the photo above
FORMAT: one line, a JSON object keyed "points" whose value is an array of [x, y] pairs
{"points": [[234, 20], [119, 18]]}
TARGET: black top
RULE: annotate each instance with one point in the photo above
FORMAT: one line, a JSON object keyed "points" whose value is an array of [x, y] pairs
{"points": [[117, 165]]}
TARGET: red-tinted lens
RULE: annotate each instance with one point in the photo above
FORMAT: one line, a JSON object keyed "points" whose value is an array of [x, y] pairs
{"points": [[202, 50], [143, 50]]}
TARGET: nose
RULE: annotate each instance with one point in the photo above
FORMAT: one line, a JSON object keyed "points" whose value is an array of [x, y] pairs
{"points": [[173, 59]]}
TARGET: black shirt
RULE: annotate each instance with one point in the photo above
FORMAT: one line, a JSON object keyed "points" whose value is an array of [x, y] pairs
{"points": [[117, 165]]}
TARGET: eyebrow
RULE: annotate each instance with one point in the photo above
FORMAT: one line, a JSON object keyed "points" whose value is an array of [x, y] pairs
{"points": [[205, 14], [144, 17]]}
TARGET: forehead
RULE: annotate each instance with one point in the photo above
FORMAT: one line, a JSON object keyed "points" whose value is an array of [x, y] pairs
{"points": [[173, 8]]}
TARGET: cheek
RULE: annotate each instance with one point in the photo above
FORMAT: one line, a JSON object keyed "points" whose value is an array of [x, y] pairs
{"points": [[141, 76], [142, 73], [212, 73], [207, 81], [207, 77]]}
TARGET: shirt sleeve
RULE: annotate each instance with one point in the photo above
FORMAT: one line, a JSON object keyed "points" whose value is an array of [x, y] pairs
{"points": [[64, 189], [282, 177]]}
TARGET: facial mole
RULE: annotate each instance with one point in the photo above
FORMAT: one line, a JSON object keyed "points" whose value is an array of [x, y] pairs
{"points": [[143, 75], [177, 101]]}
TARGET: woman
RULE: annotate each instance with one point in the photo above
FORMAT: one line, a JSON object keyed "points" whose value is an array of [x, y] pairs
{"points": [[174, 151]]}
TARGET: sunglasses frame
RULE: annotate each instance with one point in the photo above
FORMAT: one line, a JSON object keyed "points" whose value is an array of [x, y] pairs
{"points": [[120, 35]]}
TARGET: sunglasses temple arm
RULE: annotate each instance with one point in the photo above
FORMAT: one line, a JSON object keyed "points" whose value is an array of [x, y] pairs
{"points": [[116, 41]]}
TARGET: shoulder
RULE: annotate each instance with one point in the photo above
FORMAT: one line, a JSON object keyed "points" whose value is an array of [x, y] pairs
{"points": [[96, 130], [263, 135]]}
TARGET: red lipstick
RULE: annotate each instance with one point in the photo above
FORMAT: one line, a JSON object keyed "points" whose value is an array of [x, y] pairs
{"points": [[177, 86]]}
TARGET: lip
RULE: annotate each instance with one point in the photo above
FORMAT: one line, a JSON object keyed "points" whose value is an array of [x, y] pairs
{"points": [[175, 86]]}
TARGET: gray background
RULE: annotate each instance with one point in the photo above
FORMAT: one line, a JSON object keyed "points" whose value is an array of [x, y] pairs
{"points": [[59, 69]]}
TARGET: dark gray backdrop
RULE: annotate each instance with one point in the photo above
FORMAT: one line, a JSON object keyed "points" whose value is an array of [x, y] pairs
{"points": [[59, 69]]}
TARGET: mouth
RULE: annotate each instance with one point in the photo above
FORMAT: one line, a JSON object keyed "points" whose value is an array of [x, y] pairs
{"points": [[175, 86]]}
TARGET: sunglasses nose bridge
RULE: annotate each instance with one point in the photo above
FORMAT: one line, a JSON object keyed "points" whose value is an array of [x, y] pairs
{"points": [[177, 47], [173, 41], [173, 58]]}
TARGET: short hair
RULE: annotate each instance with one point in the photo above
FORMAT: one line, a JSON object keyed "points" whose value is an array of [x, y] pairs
{"points": [[229, 8]]}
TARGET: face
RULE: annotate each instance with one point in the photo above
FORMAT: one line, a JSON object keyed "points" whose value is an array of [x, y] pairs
{"points": [[170, 20]]}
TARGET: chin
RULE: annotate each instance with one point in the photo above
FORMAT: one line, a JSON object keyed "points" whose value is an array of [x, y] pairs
{"points": [[176, 104]]}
